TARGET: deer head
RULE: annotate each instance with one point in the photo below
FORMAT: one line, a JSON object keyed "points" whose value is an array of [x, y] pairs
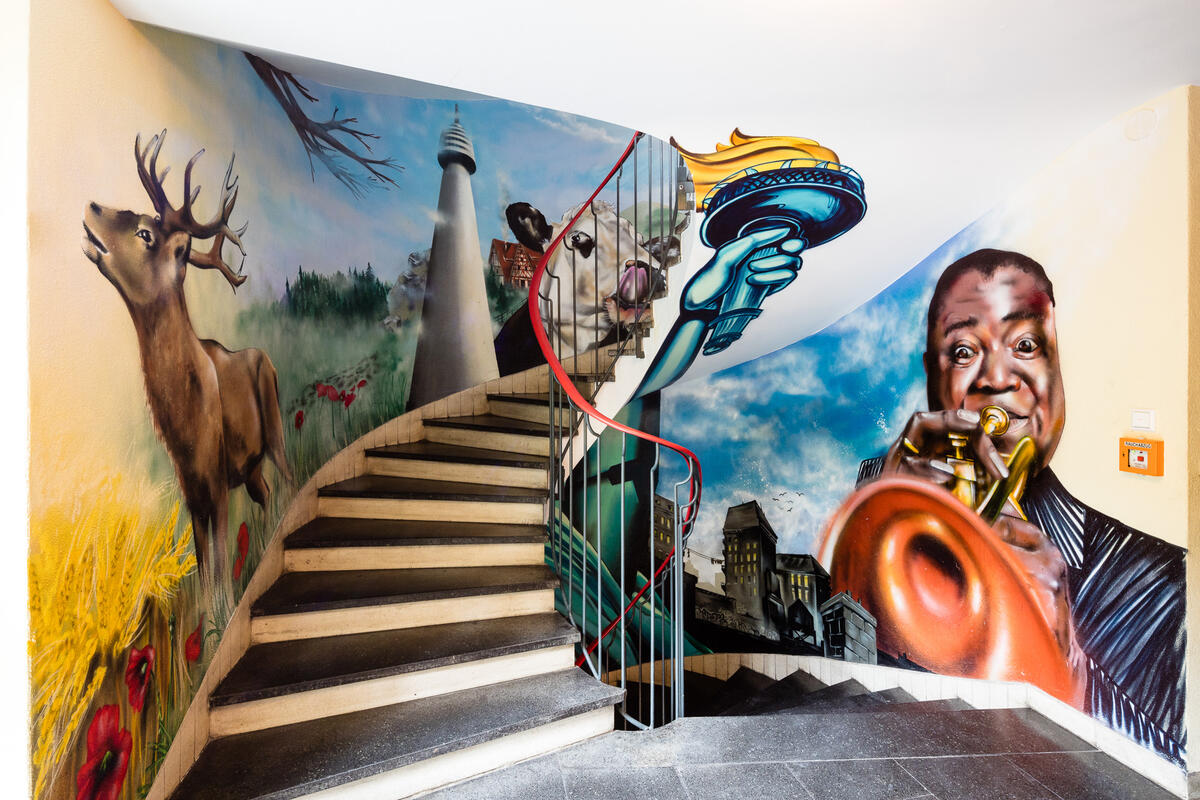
{"points": [[146, 257]]}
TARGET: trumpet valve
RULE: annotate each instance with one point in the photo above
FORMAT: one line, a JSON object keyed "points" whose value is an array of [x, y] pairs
{"points": [[994, 420]]}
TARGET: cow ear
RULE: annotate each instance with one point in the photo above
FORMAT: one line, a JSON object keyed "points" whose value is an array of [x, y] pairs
{"points": [[529, 226]]}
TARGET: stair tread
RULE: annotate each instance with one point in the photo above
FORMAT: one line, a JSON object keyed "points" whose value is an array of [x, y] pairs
{"points": [[868, 701], [916, 706], [829, 697], [776, 699], [351, 532], [280, 668], [882, 733], [392, 488], [784, 690], [741, 685], [897, 695], [542, 399], [294, 760], [454, 453], [296, 592], [493, 423]]}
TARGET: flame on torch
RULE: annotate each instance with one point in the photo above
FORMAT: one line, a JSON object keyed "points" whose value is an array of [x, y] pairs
{"points": [[758, 153]]}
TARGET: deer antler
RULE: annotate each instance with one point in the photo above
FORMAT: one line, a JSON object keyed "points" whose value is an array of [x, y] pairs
{"points": [[183, 219]]}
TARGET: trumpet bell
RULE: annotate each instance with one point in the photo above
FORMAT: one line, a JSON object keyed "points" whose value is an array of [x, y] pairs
{"points": [[944, 590]]}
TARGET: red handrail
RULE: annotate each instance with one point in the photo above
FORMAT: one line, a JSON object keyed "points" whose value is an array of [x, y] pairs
{"points": [[564, 380]]}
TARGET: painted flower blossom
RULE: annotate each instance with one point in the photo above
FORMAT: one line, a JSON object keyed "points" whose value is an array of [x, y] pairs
{"points": [[137, 675], [349, 399], [103, 772], [300, 419], [243, 545], [194, 645], [362, 383]]}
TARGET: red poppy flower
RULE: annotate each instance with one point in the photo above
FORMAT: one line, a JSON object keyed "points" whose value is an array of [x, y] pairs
{"points": [[137, 675], [103, 772], [349, 399], [194, 645], [362, 383], [243, 548], [300, 419]]}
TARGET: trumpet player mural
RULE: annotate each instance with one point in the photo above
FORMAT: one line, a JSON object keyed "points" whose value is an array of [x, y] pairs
{"points": [[914, 447]]}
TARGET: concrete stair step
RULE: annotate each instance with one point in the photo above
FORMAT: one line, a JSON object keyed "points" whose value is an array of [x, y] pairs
{"points": [[847, 705], [826, 698], [897, 695], [303, 605], [385, 497], [529, 407], [492, 432], [740, 686], [348, 543], [882, 734], [914, 707], [458, 463], [329, 543], [282, 683], [785, 690], [403, 749]]}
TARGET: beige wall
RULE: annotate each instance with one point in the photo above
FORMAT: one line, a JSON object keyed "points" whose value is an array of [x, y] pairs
{"points": [[1193, 411], [1108, 220]]}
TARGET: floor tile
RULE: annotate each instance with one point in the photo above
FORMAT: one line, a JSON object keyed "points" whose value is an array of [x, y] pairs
{"points": [[857, 780], [635, 783], [1089, 776], [741, 781], [538, 779], [975, 778]]}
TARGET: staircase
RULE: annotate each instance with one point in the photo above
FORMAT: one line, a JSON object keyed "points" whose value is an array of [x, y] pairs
{"points": [[798, 737], [411, 640]]}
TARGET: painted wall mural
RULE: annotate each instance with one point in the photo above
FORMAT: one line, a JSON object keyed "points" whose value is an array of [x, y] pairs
{"points": [[900, 469], [229, 326]]}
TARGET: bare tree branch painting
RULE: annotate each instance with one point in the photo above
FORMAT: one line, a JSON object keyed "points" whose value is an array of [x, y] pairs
{"points": [[320, 139]]}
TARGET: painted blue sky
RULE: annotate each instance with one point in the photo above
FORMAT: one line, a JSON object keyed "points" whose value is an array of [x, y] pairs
{"points": [[550, 159], [789, 429]]}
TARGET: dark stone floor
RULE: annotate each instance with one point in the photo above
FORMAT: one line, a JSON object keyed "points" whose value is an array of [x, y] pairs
{"points": [[1000, 754]]}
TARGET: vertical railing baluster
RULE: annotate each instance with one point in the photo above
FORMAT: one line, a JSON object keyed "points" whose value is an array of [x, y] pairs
{"points": [[623, 640]]}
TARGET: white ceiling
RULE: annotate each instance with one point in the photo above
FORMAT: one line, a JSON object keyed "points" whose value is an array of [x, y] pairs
{"points": [[944, 106]]}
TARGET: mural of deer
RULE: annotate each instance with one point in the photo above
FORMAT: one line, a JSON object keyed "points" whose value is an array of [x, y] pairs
{"points": [[215, 410]]}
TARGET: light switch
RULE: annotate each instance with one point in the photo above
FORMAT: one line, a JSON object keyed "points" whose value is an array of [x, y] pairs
{"points": [[1142, 419]]}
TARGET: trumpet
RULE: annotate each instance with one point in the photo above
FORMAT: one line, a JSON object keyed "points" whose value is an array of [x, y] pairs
{"points": [[946, 592]]}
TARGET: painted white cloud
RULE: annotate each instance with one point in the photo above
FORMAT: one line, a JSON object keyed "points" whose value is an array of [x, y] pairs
{"points": [[879, 337], [579, 126]]}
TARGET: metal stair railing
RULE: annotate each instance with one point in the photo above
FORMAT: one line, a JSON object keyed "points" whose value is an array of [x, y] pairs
{"points": [[625, 595]]}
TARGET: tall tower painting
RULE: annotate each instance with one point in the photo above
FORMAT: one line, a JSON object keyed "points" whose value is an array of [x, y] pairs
{"points": [[455, 349]]}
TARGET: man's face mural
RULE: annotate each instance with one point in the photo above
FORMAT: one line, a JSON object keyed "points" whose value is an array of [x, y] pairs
{"points": [[993, 343]]}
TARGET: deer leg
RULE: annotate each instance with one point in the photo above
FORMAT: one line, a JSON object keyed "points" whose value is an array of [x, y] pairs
{"points": [[257, 486], [272, 422], [220, 531], [200, 526]]}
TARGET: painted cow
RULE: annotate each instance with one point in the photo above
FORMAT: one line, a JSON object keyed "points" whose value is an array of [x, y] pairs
{"points": [[601, 275]]}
